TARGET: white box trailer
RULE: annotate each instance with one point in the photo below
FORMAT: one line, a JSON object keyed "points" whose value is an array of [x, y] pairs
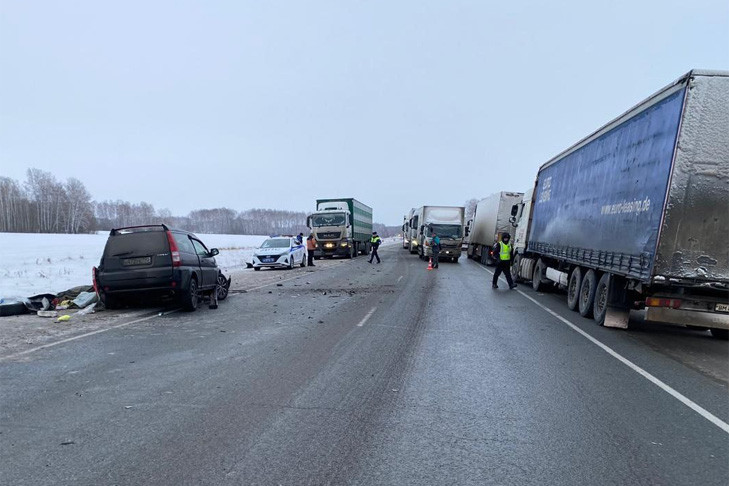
{"points": [[492, 219]]}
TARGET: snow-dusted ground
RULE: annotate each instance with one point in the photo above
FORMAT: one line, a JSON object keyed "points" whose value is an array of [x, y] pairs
{"points": [[36, 263]]}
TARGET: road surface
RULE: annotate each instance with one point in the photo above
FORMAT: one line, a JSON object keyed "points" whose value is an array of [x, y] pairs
{"points": [[371, 374]]}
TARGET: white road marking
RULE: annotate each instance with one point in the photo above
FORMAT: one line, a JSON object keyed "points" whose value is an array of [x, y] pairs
{"points": [[98, 331], [660, 384], [399, 278], [365, 318]]}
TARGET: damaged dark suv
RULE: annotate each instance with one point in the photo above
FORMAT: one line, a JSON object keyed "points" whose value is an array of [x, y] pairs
{"points": [[158, 261]]}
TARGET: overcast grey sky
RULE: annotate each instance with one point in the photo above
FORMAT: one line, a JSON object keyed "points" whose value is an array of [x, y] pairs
{"points": [[275, 103]]}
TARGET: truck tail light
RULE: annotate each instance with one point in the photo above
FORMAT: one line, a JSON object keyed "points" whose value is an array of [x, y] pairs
{"points": [[659, 302], [174, 251]]}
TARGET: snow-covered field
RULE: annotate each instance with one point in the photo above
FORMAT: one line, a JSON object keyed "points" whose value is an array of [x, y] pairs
{"points": [[37, 263]]}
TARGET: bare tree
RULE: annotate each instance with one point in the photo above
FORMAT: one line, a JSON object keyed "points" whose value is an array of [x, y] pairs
{"points": [[79, 210]]}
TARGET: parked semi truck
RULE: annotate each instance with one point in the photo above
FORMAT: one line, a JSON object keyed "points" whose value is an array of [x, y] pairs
{"points": [[636, 215], [447, 222], [413, 230], [342, 227], [492, 219], [406, 230]]}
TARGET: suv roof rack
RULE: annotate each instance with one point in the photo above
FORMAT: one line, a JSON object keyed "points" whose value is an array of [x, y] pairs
{"points": [[115, 231]]}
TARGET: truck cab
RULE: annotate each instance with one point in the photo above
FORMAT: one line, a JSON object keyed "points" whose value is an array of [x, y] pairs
{"points": [[332, 228], [341, 228], [447, 223]]}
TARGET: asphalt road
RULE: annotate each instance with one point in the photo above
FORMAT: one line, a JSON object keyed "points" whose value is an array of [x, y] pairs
{"points": [[370, 374]]}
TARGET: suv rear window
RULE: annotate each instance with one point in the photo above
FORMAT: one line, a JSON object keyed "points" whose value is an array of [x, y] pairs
{"points": [[184, 243], [145, 243]]}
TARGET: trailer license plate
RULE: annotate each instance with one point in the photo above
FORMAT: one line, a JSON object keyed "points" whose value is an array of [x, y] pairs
{"points": [[137, 261], [722, 308]]}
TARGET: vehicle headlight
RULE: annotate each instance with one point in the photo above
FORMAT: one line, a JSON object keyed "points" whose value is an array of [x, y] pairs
{"points": [[414, 242], [344, 243]]}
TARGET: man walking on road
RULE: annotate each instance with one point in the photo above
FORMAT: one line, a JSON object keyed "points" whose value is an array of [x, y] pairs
{"points": [[503, 251], [435, 247], [375, 242], [310, 247]]}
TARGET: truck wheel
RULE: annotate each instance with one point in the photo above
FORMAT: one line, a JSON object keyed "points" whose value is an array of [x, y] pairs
{"points": [[601, 299], [573, 289], [538, 275], [587, 293], [720, 333], [515, 269], [190, 298]]}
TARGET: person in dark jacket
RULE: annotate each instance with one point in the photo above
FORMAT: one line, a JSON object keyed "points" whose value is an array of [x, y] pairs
{"points": [[311, 245], [435, 247], [375, 242], [503, 253]]}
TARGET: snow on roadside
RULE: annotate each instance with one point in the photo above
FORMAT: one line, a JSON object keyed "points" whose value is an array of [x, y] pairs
{"points": [[37, 263]]}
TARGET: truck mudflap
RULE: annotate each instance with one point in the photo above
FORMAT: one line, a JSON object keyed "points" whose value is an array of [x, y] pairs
{"points": [[714, 320]]}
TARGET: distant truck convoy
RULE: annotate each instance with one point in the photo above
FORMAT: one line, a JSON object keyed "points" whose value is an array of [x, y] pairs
{"points": [[636, 215], [447, 222], [342, 227], [492, 219]]}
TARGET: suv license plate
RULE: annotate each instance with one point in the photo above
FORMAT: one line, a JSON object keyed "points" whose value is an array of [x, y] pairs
{"points": [[137, 261], [722, 308]]}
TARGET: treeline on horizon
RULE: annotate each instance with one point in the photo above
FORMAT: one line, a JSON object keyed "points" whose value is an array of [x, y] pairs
{"points": [[43, 204]]}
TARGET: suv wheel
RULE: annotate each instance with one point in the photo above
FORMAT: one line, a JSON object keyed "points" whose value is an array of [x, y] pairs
{"points": [[190, 298], [222, 287], [110, 302]]}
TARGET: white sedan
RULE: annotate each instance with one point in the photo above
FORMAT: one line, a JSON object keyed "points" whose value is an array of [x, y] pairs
{"points": [[279, 252]]}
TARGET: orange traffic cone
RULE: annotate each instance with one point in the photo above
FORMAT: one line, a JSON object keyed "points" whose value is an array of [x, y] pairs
{"points": [[430, 264]]}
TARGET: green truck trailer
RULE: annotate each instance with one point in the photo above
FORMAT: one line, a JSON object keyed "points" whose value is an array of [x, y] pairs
{"points": [[342, 227]]}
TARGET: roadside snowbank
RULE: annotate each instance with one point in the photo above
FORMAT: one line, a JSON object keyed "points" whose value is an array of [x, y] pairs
{"points": [[36, 263]]}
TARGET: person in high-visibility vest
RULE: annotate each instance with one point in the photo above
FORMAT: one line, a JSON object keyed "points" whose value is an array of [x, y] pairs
{"points": [[375, 242], [503, 252]]}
